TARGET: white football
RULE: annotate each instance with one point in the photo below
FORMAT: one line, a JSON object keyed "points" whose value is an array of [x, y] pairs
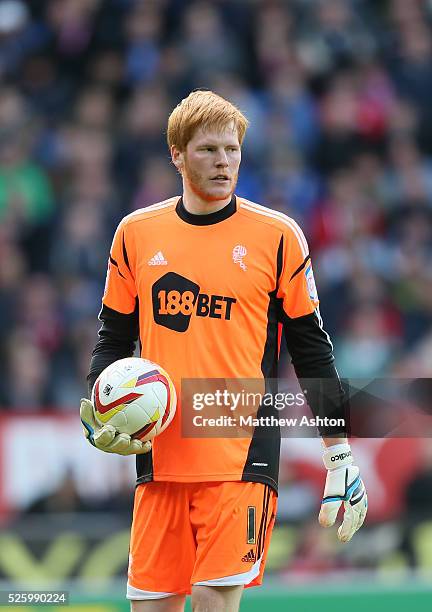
{"points": [[136, 396]]}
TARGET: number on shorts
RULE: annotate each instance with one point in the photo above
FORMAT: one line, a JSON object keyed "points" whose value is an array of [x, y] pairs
{"points": [[251, 525]]}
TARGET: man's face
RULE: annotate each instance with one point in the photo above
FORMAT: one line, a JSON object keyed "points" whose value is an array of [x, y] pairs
{"points": [[210, 163]]}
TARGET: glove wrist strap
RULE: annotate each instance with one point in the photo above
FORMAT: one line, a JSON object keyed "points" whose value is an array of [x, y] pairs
{"points": [[337, 456]]}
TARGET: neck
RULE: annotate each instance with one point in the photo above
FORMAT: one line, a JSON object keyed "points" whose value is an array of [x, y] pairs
{"points": [[197, 205]]}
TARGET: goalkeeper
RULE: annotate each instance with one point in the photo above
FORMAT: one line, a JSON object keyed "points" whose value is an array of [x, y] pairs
{"points": [[205, 281]]}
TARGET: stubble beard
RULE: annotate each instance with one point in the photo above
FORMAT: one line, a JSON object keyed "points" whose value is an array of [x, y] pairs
{"points": [[196, 183]]}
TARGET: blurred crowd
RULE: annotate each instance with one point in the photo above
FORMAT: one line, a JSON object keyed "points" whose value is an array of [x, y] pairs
{"points": [[338, 93]]}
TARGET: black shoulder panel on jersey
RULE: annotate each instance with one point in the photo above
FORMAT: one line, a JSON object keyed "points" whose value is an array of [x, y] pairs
{"points": [[262, 463], [117, 339], [300, 268], [114, 263], [125, 255], [279, 263]]}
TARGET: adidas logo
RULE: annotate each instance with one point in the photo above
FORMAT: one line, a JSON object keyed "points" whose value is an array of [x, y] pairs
{"points": [[250, 557], [158, 260]]}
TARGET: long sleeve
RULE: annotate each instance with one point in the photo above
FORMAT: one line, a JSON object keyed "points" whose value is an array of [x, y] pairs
{"points": [[308, 344], [119, 314], [312, 357], [117, 339]]}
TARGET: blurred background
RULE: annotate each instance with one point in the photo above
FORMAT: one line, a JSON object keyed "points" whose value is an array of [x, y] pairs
{"points": [[339, 96]]}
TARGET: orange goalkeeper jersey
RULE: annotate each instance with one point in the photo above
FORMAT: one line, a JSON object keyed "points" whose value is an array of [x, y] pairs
{"points": [[209, 290]]}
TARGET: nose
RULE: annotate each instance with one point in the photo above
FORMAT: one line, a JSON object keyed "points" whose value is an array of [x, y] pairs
{"points": [[221, 159]]}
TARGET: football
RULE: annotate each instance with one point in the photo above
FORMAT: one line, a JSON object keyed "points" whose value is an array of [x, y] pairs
{"points": [[136, 396]]}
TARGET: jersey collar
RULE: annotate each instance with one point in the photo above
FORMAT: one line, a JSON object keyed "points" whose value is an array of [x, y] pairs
{"points": [[211, 218]]}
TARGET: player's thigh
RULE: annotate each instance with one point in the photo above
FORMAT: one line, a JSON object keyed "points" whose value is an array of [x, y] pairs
{"points": [[216, 599], [174, 603]]}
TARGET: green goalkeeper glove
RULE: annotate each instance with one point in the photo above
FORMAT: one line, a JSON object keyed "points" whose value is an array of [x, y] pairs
{"points": [[343, 484], [107, 438]]}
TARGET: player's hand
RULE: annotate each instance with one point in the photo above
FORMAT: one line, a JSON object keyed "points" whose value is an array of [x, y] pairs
{"points": [[107, 438], [343, 484]]}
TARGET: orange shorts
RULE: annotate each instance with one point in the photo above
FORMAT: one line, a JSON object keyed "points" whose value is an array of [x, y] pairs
{"points": [[211, 533]]}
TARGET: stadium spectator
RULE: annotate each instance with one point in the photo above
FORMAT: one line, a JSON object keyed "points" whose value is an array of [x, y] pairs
{"points": [[339, 141], [339, 94]]}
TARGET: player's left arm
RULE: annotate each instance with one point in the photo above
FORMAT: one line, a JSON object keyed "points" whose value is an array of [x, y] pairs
{"points": [[312, 356], [343, 485]]}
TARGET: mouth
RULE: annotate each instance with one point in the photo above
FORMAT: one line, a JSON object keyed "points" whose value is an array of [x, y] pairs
{"points": [[220, 177]]}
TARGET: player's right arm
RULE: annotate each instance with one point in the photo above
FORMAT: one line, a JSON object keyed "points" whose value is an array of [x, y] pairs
{"points": [[119, 315], [117, 338]]}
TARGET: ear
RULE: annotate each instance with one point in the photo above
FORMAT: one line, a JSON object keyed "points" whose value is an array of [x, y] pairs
{"points": [[177, 157]]}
